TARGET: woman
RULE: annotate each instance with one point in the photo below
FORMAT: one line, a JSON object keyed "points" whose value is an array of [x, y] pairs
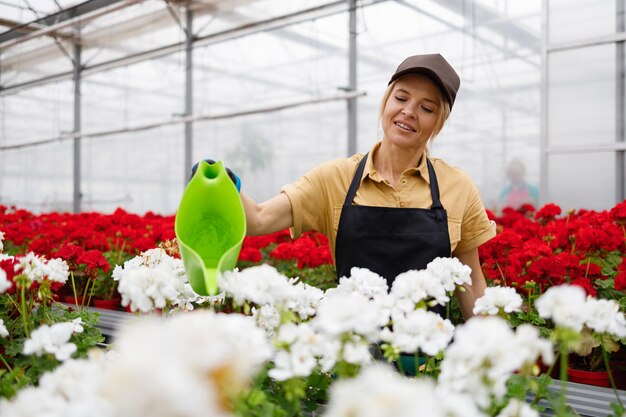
{"points": [[395, 208]]}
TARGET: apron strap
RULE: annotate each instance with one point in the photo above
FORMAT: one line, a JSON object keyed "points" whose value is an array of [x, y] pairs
{"points": [[434, 186], [356, 181]]}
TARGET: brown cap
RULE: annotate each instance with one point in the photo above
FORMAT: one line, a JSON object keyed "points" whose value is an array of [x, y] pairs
{"points": [[435, 67]]}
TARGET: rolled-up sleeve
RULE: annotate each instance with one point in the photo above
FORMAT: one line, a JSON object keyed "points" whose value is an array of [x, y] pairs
{"points": [[476, 228], [308, 203]]}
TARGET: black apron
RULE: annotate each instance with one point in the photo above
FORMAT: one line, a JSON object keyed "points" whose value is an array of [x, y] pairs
{"points": [[389, 240]]}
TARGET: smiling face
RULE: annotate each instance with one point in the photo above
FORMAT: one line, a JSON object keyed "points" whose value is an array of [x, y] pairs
{"points": [[413, 112]]}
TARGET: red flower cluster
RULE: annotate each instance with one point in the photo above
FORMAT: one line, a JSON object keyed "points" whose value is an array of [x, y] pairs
{"points": [[310, 250], [82, 240], [580, 248]]}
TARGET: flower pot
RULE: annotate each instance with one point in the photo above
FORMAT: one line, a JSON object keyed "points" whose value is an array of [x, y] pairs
{"points": [[70, 299], [596, 378], [111, 304]]}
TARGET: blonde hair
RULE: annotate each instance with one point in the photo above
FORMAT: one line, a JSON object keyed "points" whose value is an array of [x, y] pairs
{"points": [[444, 108]]}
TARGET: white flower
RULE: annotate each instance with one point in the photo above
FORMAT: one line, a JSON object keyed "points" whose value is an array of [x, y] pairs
{"points": [[267, 318], [356, 351], [498, 299], [36, 268], [517, 408], [364, 281], [412, 287], [565, 305], [57, 270], [77, 323], [4, 257], [148, 288], [304, 300], [378, 391], [53, 340], [71, 389], [420, 329], [605, 317], [5, 284], [484, 354], [297, 346], [187, 365], [3, 330], [531, 346], [451, 272], [31, 266], [261, 284], [340, 313], [152, 280]]}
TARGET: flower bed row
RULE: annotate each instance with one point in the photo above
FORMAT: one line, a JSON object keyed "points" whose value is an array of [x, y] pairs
{"points": [[303, 339]]}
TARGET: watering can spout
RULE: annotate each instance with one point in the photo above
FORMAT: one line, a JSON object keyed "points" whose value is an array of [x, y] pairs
{"points": [[210, 226]]}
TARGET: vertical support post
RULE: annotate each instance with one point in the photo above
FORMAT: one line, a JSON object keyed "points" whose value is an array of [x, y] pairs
{"points": [[76, 200], [352, 81], [543, 135], [188, 93], [620, 91]]}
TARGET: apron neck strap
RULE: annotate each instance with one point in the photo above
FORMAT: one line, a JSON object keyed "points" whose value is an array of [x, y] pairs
{"points": [[434, 185], [356, 181]]}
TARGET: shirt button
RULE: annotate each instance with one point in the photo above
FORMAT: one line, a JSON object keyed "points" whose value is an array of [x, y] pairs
{"points": [[403, 181]]}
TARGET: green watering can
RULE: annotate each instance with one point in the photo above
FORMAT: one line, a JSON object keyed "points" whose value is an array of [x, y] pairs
{"points": [[210, 226]]}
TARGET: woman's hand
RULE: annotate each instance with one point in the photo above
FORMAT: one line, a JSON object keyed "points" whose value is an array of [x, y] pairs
{"points": [[468, 297]]}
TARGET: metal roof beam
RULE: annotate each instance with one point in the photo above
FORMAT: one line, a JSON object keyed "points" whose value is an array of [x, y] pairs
{"points": [[55, 18]]}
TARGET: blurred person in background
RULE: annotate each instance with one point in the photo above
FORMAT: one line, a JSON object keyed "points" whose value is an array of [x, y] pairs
{"points": [[517, 192], [396, 208]]}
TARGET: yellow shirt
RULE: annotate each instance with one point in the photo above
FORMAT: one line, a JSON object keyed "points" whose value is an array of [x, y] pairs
{"points": [[317, 198]]}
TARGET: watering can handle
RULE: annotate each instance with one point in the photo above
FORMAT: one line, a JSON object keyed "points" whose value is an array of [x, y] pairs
{"points": [[234, 177]]}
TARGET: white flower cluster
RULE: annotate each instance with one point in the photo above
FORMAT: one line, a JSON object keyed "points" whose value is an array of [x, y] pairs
{"points": [[363, 281], [379, 391], [264, 285], [3, 330], [152, 280], [498, 299], [5, 284], [430, 286], [53, 340], [604, 316], [420, 330], [267, 318], [484, 354], [37, 268], [450, 272], [187, 365], [298, 346], [568, 307], [259, 285], [72, 389]]}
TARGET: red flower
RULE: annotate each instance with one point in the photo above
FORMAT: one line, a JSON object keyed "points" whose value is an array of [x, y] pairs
{"points": [[94, 261], [548, 212], [70, 254], [250, 254], [618, 213], [490, 215], [526, 208], [590, 239]]}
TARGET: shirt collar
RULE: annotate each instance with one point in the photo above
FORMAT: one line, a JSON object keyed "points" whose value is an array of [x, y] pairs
{"points": [[369, 170]]}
